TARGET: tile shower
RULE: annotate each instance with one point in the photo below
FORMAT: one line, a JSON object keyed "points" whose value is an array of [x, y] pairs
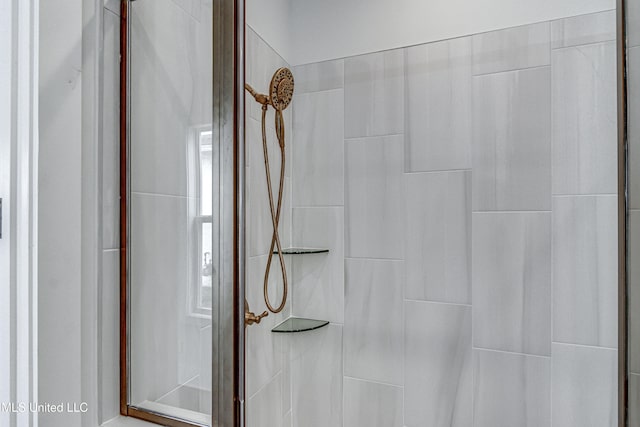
{"points": [[466, 191]]}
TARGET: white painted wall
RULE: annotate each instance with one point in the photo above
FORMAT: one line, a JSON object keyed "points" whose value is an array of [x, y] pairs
{"points": [[320, 30], [5, 189], [59, 304], [272, 21]]}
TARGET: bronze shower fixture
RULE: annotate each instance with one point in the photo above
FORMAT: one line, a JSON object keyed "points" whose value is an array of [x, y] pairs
{"points": [[280, 96]]}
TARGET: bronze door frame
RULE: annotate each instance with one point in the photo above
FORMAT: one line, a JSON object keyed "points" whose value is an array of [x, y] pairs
{"points": [[228, 135]]}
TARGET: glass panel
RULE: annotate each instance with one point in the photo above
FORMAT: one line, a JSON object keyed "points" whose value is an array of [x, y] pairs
{"points": [[633, 213], [460, 167], [173, 266]]}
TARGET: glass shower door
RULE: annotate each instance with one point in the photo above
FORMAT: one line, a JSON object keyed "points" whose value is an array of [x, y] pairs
{"points": [[178, 275]]}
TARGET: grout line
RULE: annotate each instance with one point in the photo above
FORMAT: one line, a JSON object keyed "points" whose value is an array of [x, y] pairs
{"points": [[455, 304], [585, 195], [596, 347], [514, 70], [372, 259], [575, 46], [509, 212], [349, 377], [515, 353], [359, 138], [174, 196], [437, 171]]}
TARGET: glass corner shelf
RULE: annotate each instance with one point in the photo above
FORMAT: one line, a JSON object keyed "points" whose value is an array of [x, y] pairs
{"points": [[298, 324], [302, 251]]}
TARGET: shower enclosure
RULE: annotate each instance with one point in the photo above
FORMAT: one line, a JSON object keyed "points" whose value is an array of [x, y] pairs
{"points": [[444, 242]]}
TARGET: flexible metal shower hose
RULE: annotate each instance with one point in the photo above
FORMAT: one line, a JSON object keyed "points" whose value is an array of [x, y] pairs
{"points": [[275, 212]]}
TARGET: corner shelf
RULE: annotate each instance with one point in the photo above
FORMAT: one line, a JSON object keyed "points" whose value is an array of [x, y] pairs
{"points": [[299, 324], [302, 251]]}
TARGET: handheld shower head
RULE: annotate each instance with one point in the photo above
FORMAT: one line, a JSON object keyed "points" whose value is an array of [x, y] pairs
{"points": [[281, 89]]}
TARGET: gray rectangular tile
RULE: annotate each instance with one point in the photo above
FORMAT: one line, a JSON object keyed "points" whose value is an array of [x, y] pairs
{"points": [[437, 352], [633, 256], [110, 336], [438, 236], [585, 270], [438, 106], [317, 283], [319, 76], [373, 194], [634, 400], [110, 180], [263, 408], [265, 354], [369, 404], [511, 390], [373, 343], [160, 268], [584, 119], [512, 141], [512, 282], [374, 94], [316, 370], [583, 29], [169, 106], [112, 6], [585, 386], [511, 49], [633, 23], [318, 151], [633, 63]]}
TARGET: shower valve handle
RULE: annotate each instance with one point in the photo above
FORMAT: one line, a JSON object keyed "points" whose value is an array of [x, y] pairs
{"points": [[250, 317]]}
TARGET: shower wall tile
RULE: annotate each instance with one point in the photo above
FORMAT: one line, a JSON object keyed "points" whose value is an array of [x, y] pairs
{"points": [[112, 6], [373, 326], [168, 107], [633, 24], [633, 61], [110, 336], [319, 76], [286, 379], [110, 181], [368, 404], [263, 408], [438, 106], [511, 49], [438, 236], [512, 282], [374, 94], [318, 279], [511, 390], [583, 29], [584, 119], [634, 400], [437, 354], [287, 420], [512, 141], [585, 386], [316, 370], [159, 247], [374, 222], [585, 270], [634, 290], [266, 351], [318, 151]]}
